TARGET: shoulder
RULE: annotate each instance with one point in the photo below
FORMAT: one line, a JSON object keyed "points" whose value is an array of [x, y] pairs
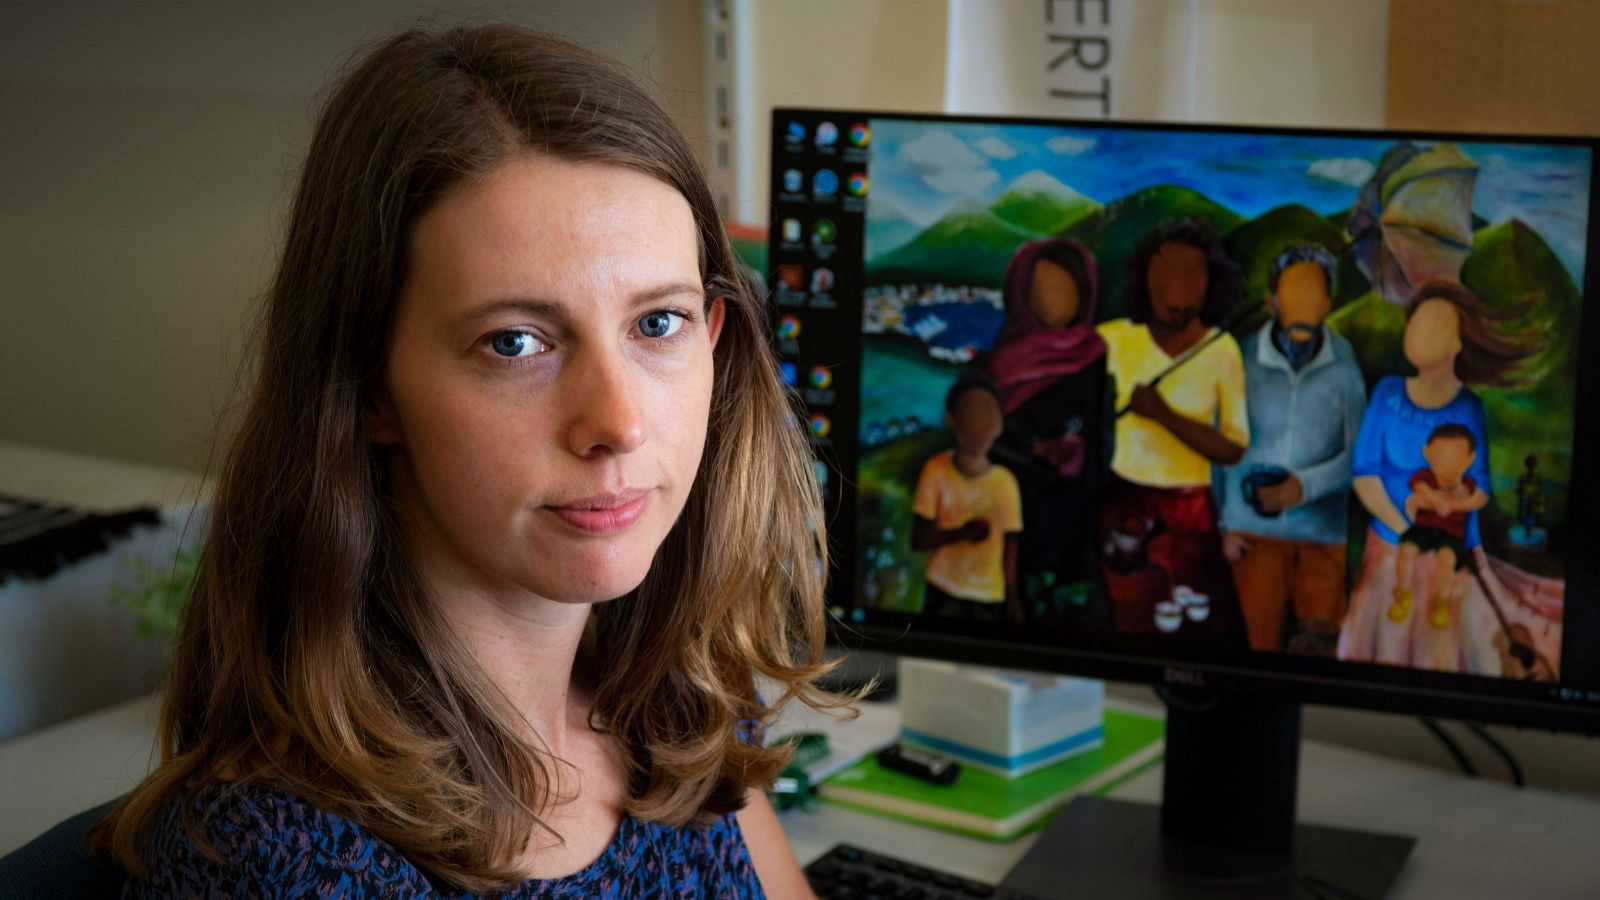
{"points": [[938, 465], [1116, 329], [1222, 354], [272, 844], [1389, 387], [999, 478], [1343, 350], [1226, 344]]}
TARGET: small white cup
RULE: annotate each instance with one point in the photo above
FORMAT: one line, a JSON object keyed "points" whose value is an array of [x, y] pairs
{"points": [[1169, 615]]}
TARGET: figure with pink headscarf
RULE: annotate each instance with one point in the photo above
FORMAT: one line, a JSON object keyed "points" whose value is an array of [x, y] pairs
{"points": [[1050, 366]]}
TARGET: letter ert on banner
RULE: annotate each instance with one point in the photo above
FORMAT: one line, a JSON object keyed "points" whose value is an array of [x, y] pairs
{"points": [[1083, 57], [1002, 59]]}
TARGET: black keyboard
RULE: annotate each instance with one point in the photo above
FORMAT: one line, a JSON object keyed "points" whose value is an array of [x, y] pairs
{"points": [[847, 871]]}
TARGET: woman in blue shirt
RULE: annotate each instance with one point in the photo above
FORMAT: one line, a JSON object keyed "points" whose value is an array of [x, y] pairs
{"points": [[515, 511], [1452, 341]]}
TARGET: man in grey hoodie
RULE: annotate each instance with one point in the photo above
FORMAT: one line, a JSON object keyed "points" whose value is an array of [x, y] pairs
{"points": [[1283, 507]]}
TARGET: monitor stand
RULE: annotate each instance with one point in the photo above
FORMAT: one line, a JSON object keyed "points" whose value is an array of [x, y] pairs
{"points": [[1225, 827]]}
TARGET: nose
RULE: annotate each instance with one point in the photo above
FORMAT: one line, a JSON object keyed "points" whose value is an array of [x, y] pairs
{"points": [[607, 410]]}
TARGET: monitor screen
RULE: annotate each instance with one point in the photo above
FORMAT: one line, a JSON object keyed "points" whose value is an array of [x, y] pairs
{"points": [[1282, 412]]}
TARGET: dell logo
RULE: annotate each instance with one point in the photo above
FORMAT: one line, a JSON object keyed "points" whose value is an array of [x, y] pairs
{"points": [[1188, 677]]}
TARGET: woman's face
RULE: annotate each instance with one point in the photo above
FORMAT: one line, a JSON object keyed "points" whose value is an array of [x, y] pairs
{"points": [[1053, 294], [1177, 278], [549, 380], [1433, 335]]}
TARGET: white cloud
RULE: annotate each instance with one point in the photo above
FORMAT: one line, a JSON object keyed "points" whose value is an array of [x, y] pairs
{"points": [[945, 163], [994, 148], [1067, 145], [1344, 170], [961, 181]]}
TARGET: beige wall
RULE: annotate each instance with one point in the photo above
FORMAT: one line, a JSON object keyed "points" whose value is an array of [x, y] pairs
{"points": [[148, 150], [852, 54]]}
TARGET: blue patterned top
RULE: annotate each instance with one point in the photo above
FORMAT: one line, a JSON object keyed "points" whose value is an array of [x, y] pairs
{"points": [[275, 844]]}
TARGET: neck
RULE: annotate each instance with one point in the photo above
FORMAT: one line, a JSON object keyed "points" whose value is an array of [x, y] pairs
{"points": [[971, 464], [1438, 383], [1174, 341]]}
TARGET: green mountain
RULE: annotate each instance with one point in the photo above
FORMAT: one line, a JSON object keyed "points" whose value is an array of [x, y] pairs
{"points": [[1256, 244], [888, 228], [1514, 271], [1116, 229], [970, 245], [1038, 202], [1374, 327]]}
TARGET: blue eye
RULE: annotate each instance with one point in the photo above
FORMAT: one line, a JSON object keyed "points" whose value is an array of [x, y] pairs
{"points": [[512, 344], [660, 324]]}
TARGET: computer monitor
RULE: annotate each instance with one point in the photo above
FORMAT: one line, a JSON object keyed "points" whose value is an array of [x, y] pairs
{"points": [[1265, 416]]}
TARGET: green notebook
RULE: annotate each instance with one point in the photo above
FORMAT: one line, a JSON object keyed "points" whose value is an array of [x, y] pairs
{"points": [[985, 805]]}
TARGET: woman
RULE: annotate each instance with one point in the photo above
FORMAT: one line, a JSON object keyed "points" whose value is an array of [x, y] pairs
{"points": [[1050, 366], [1452, 340], [478, 610]]}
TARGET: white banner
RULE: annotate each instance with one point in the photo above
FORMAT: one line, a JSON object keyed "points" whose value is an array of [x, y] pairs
{"points": [[1306, 62], [1074, 58]]}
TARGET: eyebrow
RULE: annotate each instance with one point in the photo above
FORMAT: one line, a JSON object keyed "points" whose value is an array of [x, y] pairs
{"points": [[534, 306]]}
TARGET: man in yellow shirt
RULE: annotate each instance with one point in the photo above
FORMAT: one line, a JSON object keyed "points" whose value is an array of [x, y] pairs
{"points": [[968, 513], [1163, 563]]}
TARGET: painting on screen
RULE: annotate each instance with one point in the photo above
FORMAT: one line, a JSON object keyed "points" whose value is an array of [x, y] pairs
{"points": [[1291, 394]]}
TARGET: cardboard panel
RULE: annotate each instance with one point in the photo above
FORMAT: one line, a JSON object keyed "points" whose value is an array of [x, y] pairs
{"points": [[1519, 66]]}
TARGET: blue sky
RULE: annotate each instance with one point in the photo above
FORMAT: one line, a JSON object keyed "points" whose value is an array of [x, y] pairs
{"points": [[923, 169]]}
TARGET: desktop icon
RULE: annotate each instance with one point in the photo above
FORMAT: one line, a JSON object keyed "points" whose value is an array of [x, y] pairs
{"points": [[860, 135], [827, 134], [791, 230], [822, 281], [792, 277], [796, 132], [793, 181], [788, 328], [820, 469], [821, 377], [858, 184], [790, 373], [820, 425], [825, 183], [824, 232]]}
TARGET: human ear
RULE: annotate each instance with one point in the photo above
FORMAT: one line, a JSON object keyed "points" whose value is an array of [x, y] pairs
{"points": [[716, 310], [383, 424]]}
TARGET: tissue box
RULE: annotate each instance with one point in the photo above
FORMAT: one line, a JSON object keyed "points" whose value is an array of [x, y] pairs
{"points": [[1003, 721]]}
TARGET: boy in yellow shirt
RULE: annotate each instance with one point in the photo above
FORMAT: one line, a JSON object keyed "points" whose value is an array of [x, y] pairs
{"points": [[968, 513]]}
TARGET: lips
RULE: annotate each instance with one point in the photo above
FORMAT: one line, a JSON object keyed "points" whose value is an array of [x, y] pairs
{"points": [[602, 514]]}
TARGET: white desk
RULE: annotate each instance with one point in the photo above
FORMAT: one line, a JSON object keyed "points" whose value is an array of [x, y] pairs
{"points": [[65, 650], [1477, 839]]}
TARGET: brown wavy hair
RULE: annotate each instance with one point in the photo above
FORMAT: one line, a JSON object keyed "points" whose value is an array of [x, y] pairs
{"points": [[308, 658]]}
